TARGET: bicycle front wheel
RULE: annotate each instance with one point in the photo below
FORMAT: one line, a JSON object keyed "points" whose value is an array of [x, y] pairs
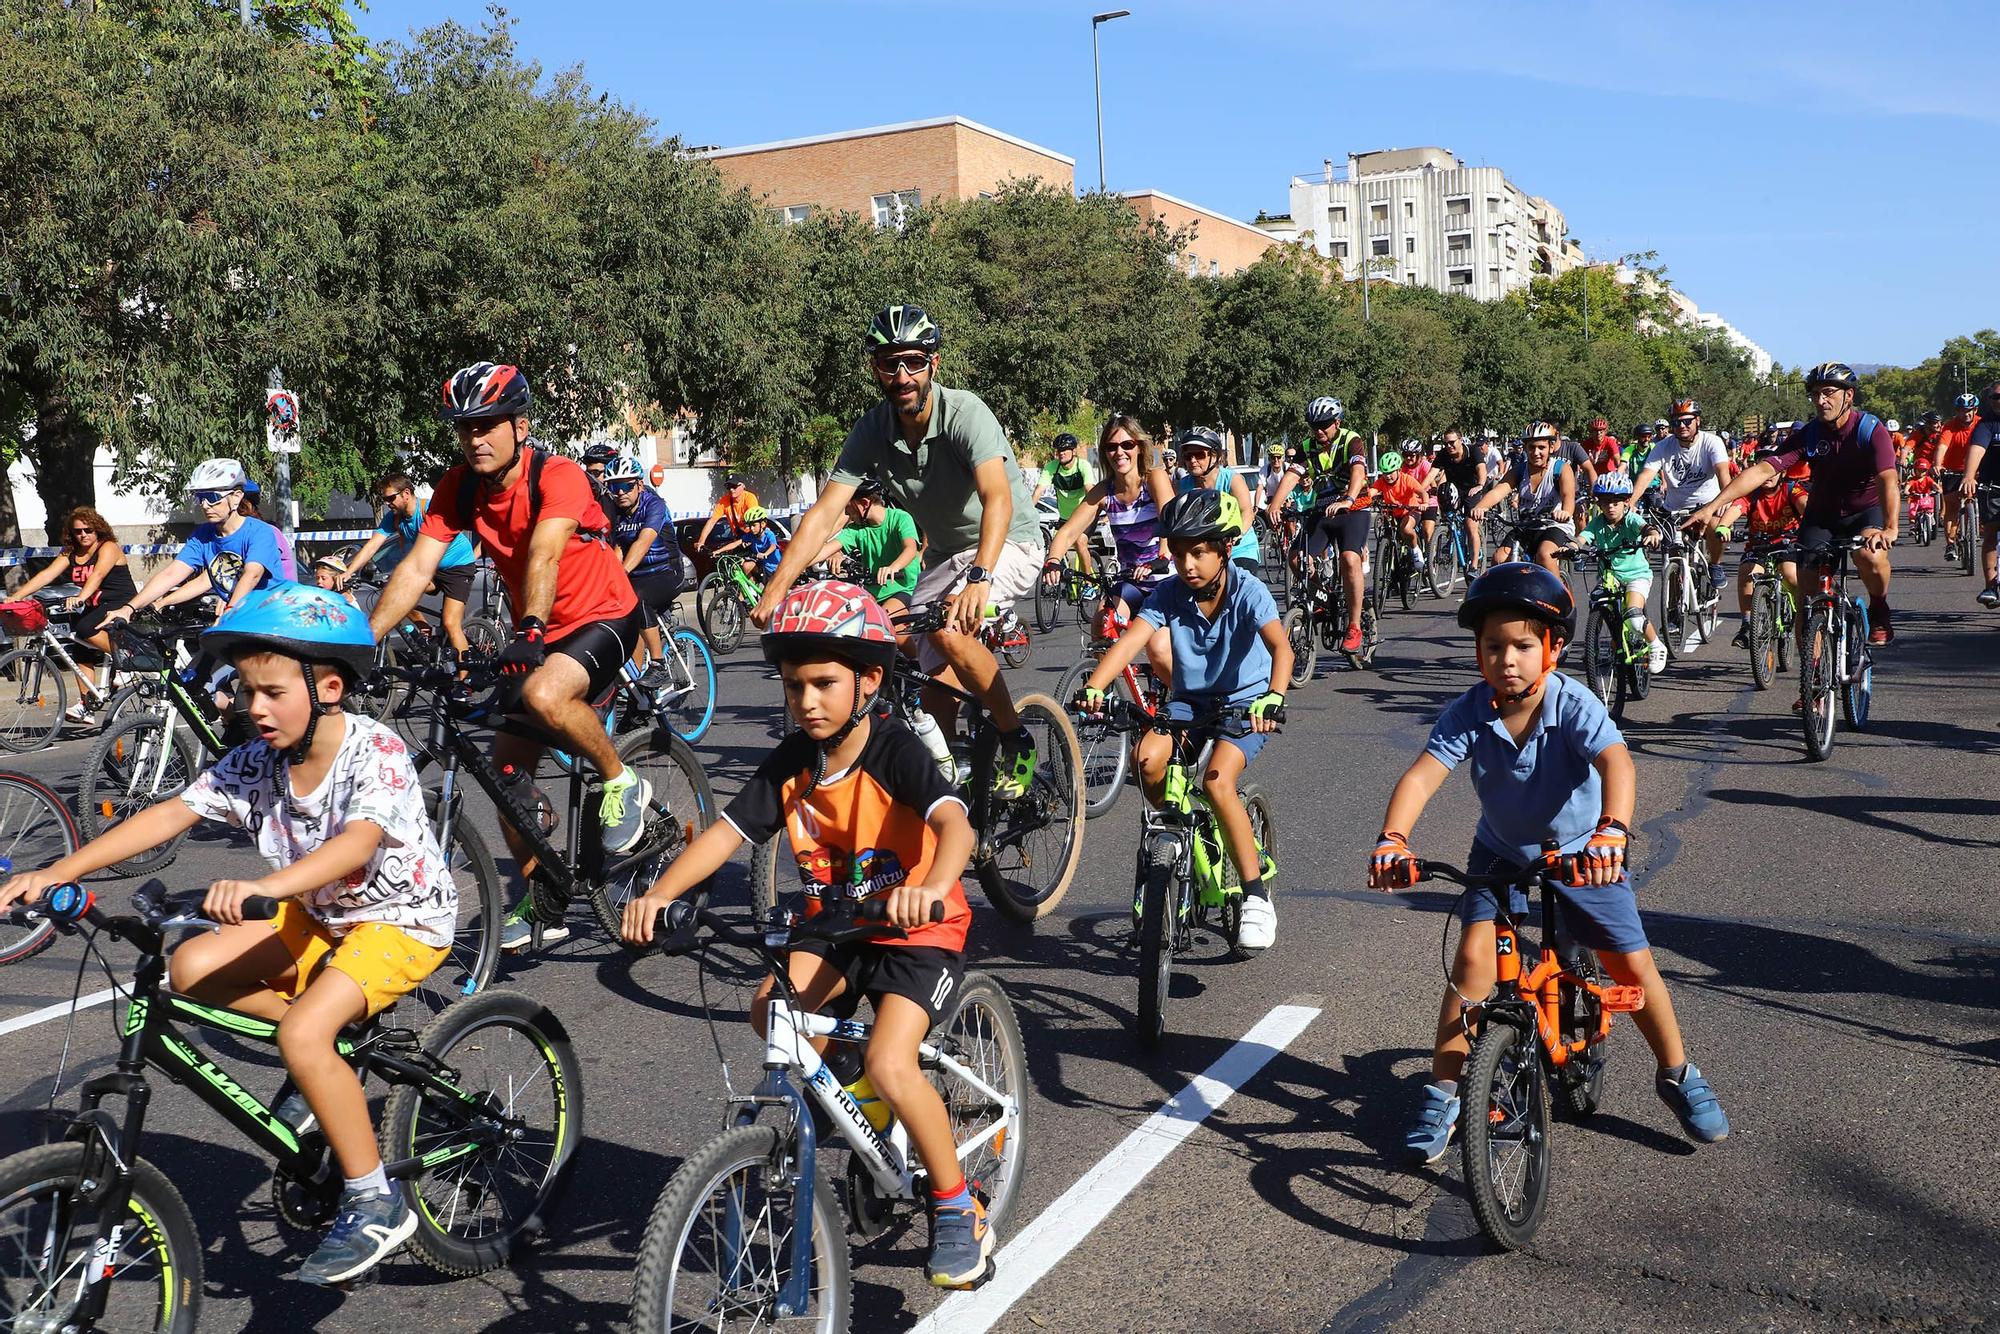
{"points": [[981, 1033], [1048, 605], [49, 1235], [717, 1250], [32, 699], [1763, 635], [35, 830], [135, 764], [683, 805], [1037, 841], [1817, 669], [1506, 1140], [1104, 756], [721, 612], [1441, 572], [691, 667], [1600, 655], [495, 1154], [1159, 907]]}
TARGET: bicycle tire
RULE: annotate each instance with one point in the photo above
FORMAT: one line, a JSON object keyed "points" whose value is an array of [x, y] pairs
{"points": [[1857, 692], [1763, 635], [1506, 1122], [1016, 654], [693, 650], [1406, 579], [1048, 605], [1299, 634], [981, 1032], [482, 910], [1816, 686], [1441, 570], [767, 862], [32, 700], [1639, 670], [1580, 1080], [749, 1153], [1158, 904], [36, 830], [1019, 888], [1371, 636], [1600, 656], [1265, 826], [1105, 757], [720, 611], [377, 696], [1968, 539], [681, 793], [1673, 608], [114, 786], [455, 1234], [484, 635]]}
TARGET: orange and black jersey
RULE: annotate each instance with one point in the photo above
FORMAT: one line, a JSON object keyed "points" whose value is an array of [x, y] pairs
{"points": [[861, 832]]}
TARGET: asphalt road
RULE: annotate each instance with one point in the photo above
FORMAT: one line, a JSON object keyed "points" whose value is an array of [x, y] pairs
{"points": [[1828, 930]]}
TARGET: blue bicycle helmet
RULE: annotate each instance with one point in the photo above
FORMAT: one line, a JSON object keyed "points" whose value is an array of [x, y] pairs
{"points": [[299, 621], [1613, 484], [622, 468]]}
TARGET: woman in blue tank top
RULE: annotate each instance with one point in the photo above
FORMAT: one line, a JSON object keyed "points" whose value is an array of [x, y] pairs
{"points": [[1200, 450]]}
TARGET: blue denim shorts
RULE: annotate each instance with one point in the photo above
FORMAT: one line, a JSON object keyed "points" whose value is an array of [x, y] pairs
{"points": [[1599, 917], [1183, 710]]}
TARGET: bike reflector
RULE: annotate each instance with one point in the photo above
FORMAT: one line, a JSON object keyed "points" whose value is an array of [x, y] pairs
{"points": [[68, 903], [1624, 1000]]}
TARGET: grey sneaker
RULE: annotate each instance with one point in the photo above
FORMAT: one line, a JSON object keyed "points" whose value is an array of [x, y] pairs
{"points": [[518, 931], [367, 1230], [1430, 1135], [623, 811]]}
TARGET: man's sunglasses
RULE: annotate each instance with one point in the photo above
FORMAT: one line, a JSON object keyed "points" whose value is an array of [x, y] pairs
{"points": [[620, 488], [916, 363], [212, 497]]}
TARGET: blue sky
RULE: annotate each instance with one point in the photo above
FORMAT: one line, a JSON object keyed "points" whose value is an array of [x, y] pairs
{"points": [[1819, 174]]}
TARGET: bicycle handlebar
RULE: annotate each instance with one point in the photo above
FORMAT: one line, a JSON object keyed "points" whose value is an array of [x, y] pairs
{"points": [[1122, 715], [676, 926], [153, 909]]}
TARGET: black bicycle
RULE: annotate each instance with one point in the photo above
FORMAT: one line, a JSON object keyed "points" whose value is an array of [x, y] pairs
{"points": [[1073, 588], [480, 1130]]}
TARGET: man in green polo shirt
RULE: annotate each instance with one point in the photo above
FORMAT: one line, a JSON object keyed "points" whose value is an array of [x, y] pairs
{"points": [[940, 454], [882, 541]]}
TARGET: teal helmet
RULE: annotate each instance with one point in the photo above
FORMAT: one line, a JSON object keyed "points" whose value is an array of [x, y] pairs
{"points": [[299, 621], [1390, 462]]}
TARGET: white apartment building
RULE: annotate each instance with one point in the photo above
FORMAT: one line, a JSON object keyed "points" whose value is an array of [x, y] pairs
{"points": [[1420, 216]]}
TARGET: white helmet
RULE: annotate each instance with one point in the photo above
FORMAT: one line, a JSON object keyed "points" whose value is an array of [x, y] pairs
{"points": [[217, 475], [623, 468], [1895, 425]]}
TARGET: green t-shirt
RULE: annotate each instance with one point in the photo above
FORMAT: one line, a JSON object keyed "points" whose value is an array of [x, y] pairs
{"points": [[1623, 542], [1070, 483], [880, 544], [934, 481]]}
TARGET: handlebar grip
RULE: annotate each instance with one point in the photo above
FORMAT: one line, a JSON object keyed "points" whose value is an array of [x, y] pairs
{"points": [[876, 911], [259, 908]]}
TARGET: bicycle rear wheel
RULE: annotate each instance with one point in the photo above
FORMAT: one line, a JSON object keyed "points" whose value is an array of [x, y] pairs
{"points": [[475, 942], [717, 1249], [1581, 1078], [32, 699], [1763, 635], [1265, 826], [516, 1074], [1817, 670], [1105, 756], [35, 831], [1035, 842], [135, 765], [981, 1033], [49, 1235], [1506, 1139], [1159, 905]]}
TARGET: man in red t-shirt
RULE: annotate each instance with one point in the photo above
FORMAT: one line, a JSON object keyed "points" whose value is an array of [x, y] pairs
{"points": [[576, 618], [1606, 453]]}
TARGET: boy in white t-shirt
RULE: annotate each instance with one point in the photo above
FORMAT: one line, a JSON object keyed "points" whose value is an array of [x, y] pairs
{"points": [[368, 906]]}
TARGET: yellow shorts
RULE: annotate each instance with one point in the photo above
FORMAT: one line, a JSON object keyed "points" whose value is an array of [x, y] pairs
{"points": [[386, 962]]}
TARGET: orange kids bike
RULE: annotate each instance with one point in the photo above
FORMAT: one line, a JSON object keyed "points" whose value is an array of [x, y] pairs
{"points": [[1542, 1029]]}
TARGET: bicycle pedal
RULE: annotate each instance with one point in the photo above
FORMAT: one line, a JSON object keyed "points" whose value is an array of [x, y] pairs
{"points": [[1624, 1000]]}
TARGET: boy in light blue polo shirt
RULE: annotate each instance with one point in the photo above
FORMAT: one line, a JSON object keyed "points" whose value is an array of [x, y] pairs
{"points": [[1229, 648], [1548, 765]]}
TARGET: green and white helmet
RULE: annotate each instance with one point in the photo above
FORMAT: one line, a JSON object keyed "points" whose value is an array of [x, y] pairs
{"points": [[902, 326]]}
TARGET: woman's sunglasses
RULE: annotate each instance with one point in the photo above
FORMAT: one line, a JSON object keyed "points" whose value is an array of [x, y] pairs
{"points": [[211, 497]]}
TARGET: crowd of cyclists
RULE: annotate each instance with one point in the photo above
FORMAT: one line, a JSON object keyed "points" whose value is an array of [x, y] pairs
{"points": [[928, 507]]}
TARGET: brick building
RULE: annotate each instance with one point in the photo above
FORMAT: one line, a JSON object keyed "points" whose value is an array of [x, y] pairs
{"points": [[887, 170], [1219, 246]]}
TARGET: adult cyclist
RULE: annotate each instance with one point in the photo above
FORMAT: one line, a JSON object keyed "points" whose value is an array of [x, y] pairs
{"points": [[402, 517], [576, 618], [1856, 491], [1458, 481], [1334, 464], [643, 537], [941, 455], [1982, 468], [1954, 438], [1693, 466], [1200, 450]]}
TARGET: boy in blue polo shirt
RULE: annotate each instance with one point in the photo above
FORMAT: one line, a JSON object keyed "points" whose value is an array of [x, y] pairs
{"points": [[1229, 648], [1548, 763]]}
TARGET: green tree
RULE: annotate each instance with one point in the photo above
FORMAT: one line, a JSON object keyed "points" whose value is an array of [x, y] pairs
{"points": [[1267, 347]]}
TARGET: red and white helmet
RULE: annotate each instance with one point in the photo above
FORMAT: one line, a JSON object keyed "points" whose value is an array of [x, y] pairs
{"points": [[832, 617]]}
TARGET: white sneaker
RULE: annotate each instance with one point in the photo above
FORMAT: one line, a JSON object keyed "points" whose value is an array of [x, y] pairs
{"points": [[1656, 656], [1260, 924]]}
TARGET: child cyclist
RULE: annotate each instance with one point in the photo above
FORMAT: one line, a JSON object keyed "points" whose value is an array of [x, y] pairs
{"points": [[1619, 534], [1229, 649], [368, 906], [758, 544], [1403, 495], [1773, 509], [868, 812], [1547, 763]]}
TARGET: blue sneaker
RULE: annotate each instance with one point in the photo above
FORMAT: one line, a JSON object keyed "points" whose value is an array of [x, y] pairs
{"points": [[1429, 1139], [368, 1229], [1695, 1103], [961, 1247]]}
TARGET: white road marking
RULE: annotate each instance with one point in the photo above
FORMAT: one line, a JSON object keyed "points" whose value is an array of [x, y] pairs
{"points": [[48, 1012], [1041, 1245]]}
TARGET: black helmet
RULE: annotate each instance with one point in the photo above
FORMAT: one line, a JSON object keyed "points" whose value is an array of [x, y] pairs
{"points": [[1932, 418], [1836, 373], [1065, 441], [1200, 437], [484, 391], [902, 326], [868, 489], [600, 453], [1522, 587], [1202, 516]]}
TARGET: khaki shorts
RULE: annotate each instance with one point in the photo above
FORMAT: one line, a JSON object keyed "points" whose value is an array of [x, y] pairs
{"points": [[386, 962], [1014, 578]]}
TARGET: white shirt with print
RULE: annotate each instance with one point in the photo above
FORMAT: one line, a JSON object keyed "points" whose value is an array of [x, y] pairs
{"points": [[406, 883], [1688, 476]]}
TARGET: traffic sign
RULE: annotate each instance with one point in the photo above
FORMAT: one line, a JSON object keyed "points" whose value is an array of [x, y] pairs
{"points": [[281, 421]]}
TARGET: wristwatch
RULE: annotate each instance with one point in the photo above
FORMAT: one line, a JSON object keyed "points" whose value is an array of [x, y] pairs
{"points": [[978, 574]]}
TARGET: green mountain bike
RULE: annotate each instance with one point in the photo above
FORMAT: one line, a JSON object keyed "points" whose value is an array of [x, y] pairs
{"points": [[1617, 660]]}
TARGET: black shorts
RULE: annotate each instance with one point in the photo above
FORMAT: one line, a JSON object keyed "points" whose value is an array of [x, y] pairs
{"points": [[1345, 531], [1820, 530], [603, 647], [88, 622], [926, 974], [455, 583], [1989, 518], [658, 589]]}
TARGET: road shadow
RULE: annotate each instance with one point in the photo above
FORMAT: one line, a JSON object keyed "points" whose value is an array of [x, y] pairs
{"points": [[1876, 810]]}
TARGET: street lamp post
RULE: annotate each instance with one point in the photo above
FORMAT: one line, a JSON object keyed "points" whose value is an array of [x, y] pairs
{"points": [[1097, 79]]}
